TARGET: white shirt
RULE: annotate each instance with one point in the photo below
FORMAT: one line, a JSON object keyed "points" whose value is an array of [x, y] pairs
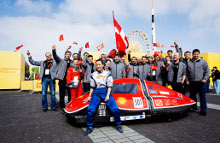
{"points": [[101, 80]]}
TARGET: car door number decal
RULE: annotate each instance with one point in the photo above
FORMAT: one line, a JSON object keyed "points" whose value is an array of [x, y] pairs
{"points": [[138, 103]]}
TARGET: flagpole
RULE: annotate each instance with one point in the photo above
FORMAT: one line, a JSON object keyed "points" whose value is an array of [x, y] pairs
{"points": [[153, 30], [113, 15]]}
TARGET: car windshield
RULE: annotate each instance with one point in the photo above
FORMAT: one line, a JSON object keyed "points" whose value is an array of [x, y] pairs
{"points": [[125, 88]]}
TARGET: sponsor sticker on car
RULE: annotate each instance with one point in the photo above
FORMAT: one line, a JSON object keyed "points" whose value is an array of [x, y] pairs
{"points": [[153, 92], [180, 95], [164, 92], [167, 102], [127, 118], [153, 87], [121, 100], [158, 102]]}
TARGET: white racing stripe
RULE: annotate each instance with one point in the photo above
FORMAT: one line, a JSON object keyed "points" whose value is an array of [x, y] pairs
{"points": [[111, 135], [211, 106]]}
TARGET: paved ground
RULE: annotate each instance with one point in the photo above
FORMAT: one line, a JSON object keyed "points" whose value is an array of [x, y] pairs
{"points": [[22, 120]]}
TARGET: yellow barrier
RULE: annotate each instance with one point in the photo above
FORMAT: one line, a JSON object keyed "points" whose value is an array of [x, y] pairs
{"points": [[35, 85], [12, 70], [27, 85]]}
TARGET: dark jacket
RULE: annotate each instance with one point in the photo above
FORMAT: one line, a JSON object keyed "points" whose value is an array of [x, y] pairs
{"points": [[42, 65], [61, 67]]}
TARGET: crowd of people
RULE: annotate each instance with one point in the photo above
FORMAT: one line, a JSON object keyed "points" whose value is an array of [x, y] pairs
{"points": [[76, 76]]}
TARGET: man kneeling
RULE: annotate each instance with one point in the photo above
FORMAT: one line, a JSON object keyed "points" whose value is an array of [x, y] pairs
{"points": [[101, 82]]}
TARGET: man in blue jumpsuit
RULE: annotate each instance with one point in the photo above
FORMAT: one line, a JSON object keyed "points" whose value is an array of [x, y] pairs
{"points": [[101, 82]]}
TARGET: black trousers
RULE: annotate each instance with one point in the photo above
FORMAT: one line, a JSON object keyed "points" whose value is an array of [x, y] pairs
{"points": [[198, 87], [63, 90], [178, 87], [86, 87]]}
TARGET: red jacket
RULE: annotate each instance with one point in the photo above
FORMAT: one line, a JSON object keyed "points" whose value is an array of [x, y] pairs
{"points": [[71, 73]]}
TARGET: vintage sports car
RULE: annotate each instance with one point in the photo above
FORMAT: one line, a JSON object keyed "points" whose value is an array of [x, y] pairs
{"points": [[136, 99]]}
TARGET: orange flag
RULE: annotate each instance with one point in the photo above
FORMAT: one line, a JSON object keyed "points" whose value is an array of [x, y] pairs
{"points": [[17, 48], [100, 47], [163, 46], [75, 43]]}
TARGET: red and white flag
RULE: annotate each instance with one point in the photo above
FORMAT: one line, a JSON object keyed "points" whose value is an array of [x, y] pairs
{"points": [[172, 46], [121, 39], [100, 47], [61, 38], [163, 46], [87, 45], [153, 67], [75, 43], [156, 44], [17, 48]]}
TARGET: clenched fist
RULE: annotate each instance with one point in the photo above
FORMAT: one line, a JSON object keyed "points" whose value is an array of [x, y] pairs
{"points": [[81, 48], [53, 47], [28, 53]]}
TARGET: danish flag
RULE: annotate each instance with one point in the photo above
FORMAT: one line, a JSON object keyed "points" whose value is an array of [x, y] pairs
{"points": [[100, 47], [153, 67], [163, 46], [61, 38], [156, 44], [121, 39], [87, 45]]}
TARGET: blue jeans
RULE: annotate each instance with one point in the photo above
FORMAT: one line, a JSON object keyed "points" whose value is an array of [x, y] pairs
{"points": [[198, 87], [98, 96], [45, 82], [217, 88]]}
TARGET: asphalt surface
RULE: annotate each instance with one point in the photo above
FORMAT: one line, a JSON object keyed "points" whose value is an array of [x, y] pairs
{"points": [[22, 120]]}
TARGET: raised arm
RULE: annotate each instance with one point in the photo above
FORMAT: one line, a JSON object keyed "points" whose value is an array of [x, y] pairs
{"points": [[36, 63], [79, 53], [178, 49], [55, 56], [129, 56]]}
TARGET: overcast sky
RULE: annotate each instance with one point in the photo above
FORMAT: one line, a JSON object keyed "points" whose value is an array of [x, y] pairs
{"points": [[37, 24]]}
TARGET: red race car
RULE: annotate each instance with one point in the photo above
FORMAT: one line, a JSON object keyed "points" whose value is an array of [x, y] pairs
{"points": [[136, 99]]}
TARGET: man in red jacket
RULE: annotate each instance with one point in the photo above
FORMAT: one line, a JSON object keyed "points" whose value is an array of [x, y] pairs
{"points": [[73, 80]]}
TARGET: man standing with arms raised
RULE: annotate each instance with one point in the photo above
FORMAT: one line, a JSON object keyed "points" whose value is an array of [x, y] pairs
{"points": [[60, 73], [47, 73]]}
